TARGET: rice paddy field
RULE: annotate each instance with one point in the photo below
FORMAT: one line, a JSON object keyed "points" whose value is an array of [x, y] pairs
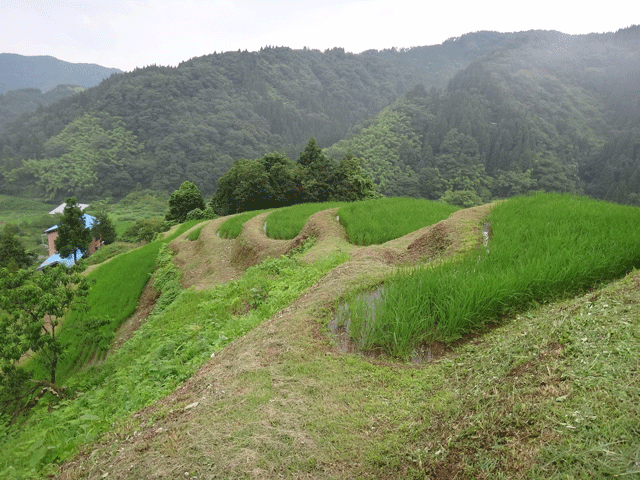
{"points": [[542, 248], [232, 227], [115, 290], [286, 223], [373, 222]]}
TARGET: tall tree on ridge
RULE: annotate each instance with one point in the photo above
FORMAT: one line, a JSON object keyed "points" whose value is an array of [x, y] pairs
{"points": [[73, 234]]}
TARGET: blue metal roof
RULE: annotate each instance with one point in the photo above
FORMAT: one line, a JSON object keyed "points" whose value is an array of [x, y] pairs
{"points": [[89, 220], [56, 258]]}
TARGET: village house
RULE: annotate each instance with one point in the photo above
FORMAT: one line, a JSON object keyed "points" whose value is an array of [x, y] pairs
{"points": [[52, 234]]}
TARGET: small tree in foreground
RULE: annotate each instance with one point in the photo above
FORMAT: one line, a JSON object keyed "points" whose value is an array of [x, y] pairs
{"points": [[73, 235], [183, 200], [33, 305]]}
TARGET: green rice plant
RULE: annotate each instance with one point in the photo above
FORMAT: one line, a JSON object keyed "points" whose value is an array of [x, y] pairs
{"points": [[233, 226], [376, 221], [544, 247], [109, 251], [286, 223], [194, 234]]}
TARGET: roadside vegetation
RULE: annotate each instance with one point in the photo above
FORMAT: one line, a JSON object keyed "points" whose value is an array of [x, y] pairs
{"points": [[542, 248], [373, 222]]}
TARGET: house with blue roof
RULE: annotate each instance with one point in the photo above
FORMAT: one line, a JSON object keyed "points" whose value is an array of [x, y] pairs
{"points": [[54, 256]]}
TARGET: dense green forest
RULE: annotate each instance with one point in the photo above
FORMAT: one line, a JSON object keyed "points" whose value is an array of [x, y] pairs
{"points": [[193, 121], [553, 112], [27, 100], [44, 72], [482, 116]]}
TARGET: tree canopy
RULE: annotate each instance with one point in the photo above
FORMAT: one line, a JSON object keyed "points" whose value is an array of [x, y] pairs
{"points": [[103, 228], [276, 181], [183, 200], [33, 305], [73, 234]]}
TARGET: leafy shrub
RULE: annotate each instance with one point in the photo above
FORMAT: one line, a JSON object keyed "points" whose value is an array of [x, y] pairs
{"points": [[184, 200], [144, 230], [198, 214]]}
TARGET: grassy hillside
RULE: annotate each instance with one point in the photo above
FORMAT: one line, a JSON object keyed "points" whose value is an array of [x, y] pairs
{"points": [[248, 373]]}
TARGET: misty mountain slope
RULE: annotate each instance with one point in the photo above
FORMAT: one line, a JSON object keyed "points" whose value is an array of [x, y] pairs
{"points": [[517, 112], [46, 72], [193, 121], [536, 115], [27, 100]]}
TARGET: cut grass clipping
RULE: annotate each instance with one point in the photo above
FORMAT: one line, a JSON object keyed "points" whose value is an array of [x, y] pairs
{"points": [[373, 222], [544, 247], [286, 223], [232, 227]]}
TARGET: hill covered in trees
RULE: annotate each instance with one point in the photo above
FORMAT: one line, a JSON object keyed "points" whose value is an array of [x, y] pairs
{"points": [[193, 121], [549, 112], [27, 100], [45, 73], [487, 114]]}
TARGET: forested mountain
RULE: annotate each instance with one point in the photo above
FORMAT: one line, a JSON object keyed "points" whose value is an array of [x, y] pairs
{"points": [[487, 114], [18, 72], [549, 112], [193, 121], [27, 100]]}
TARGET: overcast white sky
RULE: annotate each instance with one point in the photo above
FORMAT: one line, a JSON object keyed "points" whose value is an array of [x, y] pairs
{"points": [[135, 33]]}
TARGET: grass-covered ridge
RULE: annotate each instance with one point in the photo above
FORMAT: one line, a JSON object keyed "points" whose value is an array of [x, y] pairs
{"points": [[233, 226], [542, 248], [186, 329], [286, 223], [380, 220]]}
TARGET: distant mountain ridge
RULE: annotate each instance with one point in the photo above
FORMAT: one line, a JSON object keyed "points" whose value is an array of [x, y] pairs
{"points": [[46, 72], [485, 115]]}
